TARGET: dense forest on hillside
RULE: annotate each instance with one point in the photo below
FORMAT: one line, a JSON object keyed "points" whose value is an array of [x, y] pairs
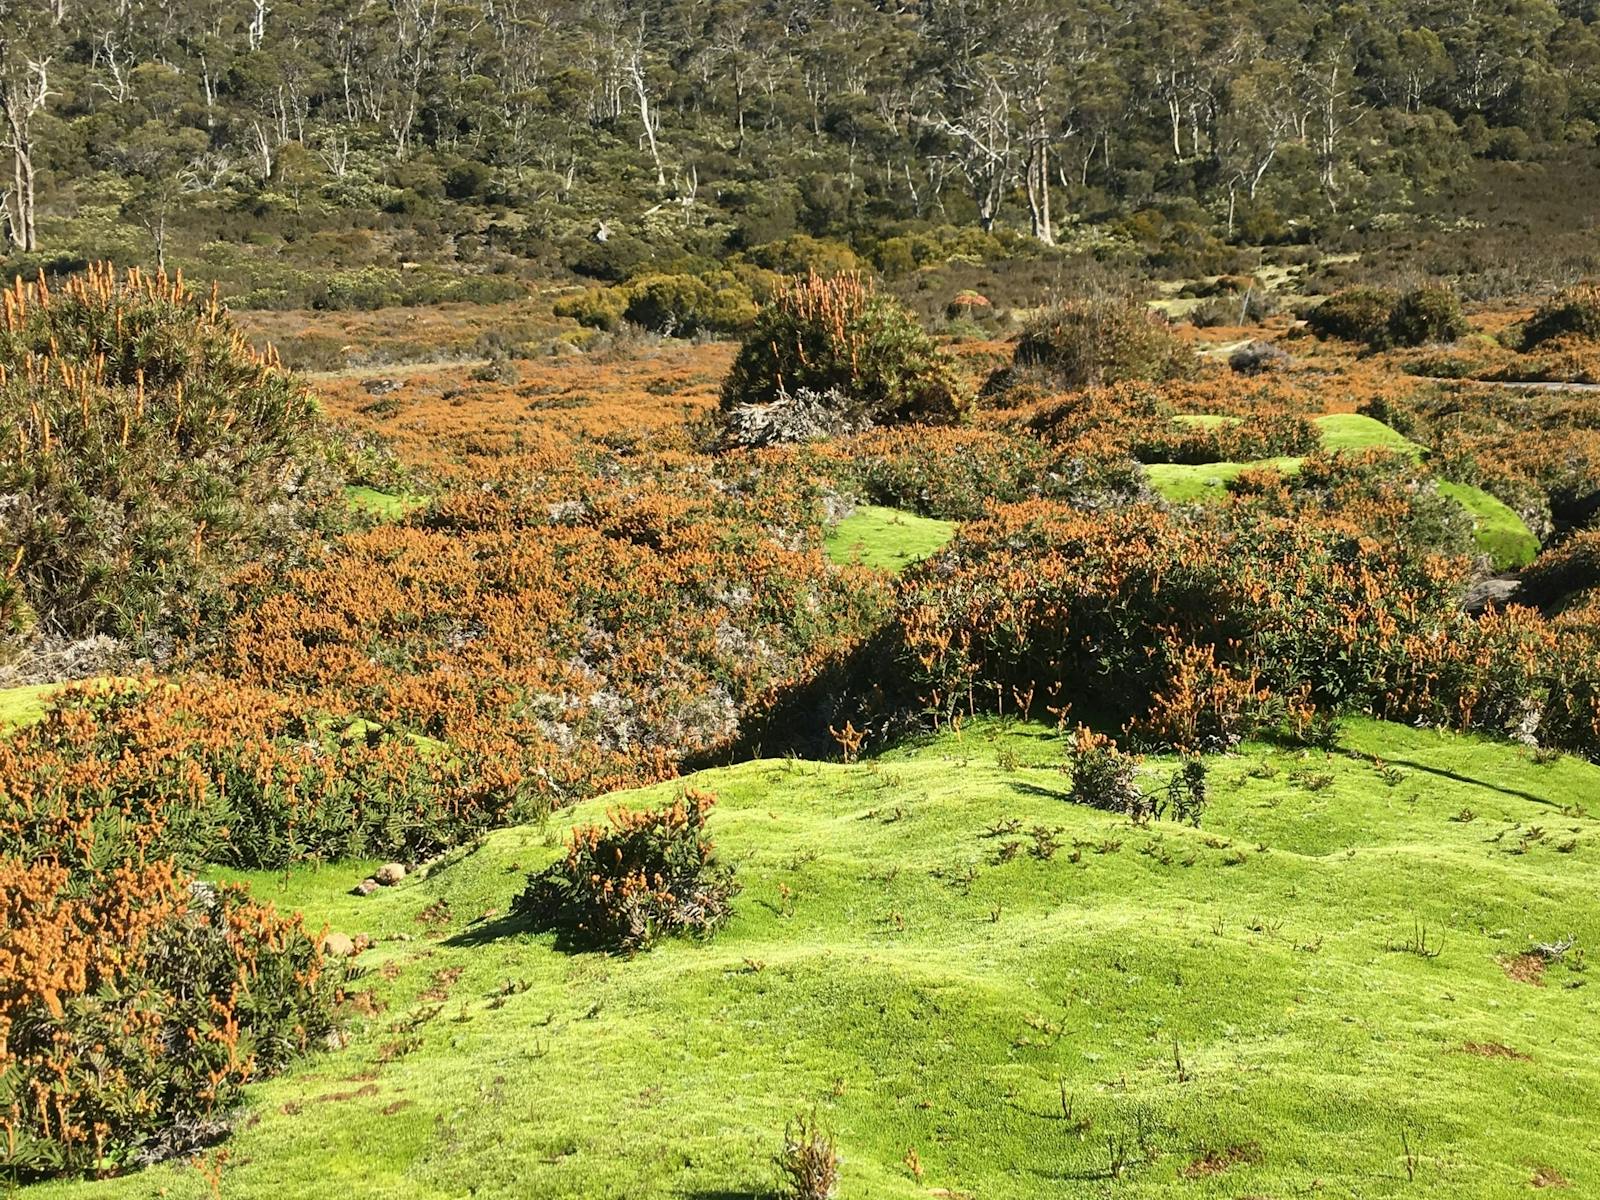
{"points": [[312, 151]]}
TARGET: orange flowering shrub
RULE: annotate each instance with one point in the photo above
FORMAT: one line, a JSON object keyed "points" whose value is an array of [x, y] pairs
{"points": [[134, 1004], [1373, 492], [955, 473], [207, 772], [1158, 423], [1186, 627]]}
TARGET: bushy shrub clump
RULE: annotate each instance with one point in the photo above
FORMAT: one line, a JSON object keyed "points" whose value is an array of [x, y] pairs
{"points": [[673, 305], [1430, 313], [1107, 777], [145, 453], [1383, 494], [1574, 312], [956, 473], [836, 334], [134, 1003], [1089, 342], [649, 875], [1195, 631], [213, 773], [1142, 421], [1564, 571], [1103, 776], [1359, 314], [1381, 318]]}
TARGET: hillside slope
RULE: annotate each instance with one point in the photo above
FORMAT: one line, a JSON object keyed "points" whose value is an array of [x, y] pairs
{"points": [[1223, 1012]]}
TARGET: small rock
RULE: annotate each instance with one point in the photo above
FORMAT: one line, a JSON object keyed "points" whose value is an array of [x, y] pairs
{"points": [[380, 387], [366, 887], [390, 873], [337, 945], [1490, 593]]}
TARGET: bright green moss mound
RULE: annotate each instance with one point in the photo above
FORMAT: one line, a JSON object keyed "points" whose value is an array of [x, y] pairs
{"points": [[1498, 530], [1354, 432], [894, 965], [23, 705], [383, 505], [887, 538]]}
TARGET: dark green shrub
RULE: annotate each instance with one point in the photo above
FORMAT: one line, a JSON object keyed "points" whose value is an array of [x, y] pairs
{"points": [[1359, 314], [1562, 572], [826, 334], [1107, 778], [1430, 313], [650, 875], [1246, 308], [686, 305], [1103, 776], [1086, 343], [1575, 311]]}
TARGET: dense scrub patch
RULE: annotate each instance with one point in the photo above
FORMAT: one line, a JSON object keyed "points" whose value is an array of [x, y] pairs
{"points": [[675, 305], [145, 453], [1195, 631], [1430, 313], [210, 772], [955, 473], [1380, 319], [1354, 315], [1574, 312], [134, 1004]]}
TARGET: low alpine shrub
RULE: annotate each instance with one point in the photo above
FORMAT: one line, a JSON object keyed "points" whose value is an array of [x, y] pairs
{"points": [[648, 875], [1573, 312], [1090, 342], [1431, 313], [1359, 314], [836, 333]]}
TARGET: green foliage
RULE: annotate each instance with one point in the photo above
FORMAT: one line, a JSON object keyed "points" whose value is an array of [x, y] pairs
{"points": [[886, 538], [1564, 571], [679, 305], [1430, 313], [1091, 342], [955, 473], [1103, 776], [823, 334], [1358, 314], [686, 305], [259, 782], [881, 967], [650, 875], [596, 307], [141, 1050]]}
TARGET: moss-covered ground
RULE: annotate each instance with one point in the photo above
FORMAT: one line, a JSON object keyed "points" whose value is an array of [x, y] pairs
{"points": [[1498, 530], [1331, 988]]}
